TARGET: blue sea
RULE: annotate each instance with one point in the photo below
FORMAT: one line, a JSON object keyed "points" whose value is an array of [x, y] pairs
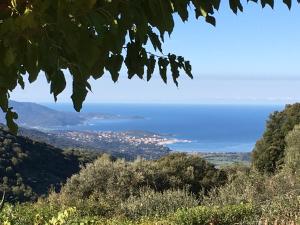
{"points": [[203, 128]]}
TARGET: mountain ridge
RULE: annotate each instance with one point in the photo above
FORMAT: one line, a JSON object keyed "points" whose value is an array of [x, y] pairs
{"points": [[34, 115]]}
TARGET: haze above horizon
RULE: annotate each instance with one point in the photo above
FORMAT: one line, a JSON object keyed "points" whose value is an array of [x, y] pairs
{"points": [[249, 58]]}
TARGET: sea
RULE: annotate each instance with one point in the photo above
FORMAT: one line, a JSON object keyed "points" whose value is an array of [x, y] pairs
{"points": [[190, 128]]}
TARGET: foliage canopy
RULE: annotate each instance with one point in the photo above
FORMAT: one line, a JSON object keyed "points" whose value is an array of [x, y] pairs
{"points": [[28, 169], [113, 181], [268, 154], [104, 186], [292, 151], [89, 37]]}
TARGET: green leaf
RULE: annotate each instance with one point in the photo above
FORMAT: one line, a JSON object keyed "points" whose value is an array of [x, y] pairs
{"points": [[9, 58], [235, 5], [188, 69], [31, 63], [58, 83], [150, 66], [288, 3], [136, 60], [211, 20], [156, 43], [216, 4], [10, 117], [182, 8], [162, 10], [267, 2], [80, 89], [163, 65], [21, 81], [174, 68], [4, 99], [114, 65]]}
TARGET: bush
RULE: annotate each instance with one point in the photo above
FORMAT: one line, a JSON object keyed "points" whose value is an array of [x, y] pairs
{"points": [[101, 187], [243, 188], [273, 197], [43, 214], [155, 204], [180, 170], [27, 213], [226, 215], [292, 152]]}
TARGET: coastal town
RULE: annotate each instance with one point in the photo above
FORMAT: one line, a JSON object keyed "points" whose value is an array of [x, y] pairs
{"points": [[128, 145], [135, 138]]}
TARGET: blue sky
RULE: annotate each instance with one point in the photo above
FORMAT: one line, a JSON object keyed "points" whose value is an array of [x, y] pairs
{"points": [[252, 57]]}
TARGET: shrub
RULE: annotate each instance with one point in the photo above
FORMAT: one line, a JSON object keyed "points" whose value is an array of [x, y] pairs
{"points": [[226, 215], [292, 152], [273, 197], [44, 214], [27, 213], [180, 170], [155, 204], [102, 186], [244, 188]]}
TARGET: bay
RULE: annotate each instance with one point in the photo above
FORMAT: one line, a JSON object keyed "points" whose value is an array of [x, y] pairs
{"points": [[191, 128]]}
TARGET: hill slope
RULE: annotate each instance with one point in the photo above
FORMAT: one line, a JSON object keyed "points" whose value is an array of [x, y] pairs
{"points": [[28, 168], [34, 115], [128, 145]]}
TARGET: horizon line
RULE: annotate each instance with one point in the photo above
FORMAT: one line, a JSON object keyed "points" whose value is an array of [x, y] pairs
{"points": [[169, 103]]}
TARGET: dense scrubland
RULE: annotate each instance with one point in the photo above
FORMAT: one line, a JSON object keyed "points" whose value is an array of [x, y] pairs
{"points": [[175, 189]]}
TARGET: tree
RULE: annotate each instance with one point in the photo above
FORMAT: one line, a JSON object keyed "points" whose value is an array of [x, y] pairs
{"points": [[89, 37], [106, 184], [268, 154], [292, 152]]}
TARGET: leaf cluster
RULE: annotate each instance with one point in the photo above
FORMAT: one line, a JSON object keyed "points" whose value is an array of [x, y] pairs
{"points": [[89, 37], [268, 154]]}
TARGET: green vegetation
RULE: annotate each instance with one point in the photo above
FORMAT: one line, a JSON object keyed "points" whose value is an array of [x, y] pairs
{"points": [[222, 159], [105, 185], [112, 192], [292, 153], [200, 215], [173, 190], [33, 115], [89, 37], [28, 169], [268, 155], [246, 199]]}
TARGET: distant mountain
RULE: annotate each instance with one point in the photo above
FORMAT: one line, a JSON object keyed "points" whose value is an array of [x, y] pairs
{"points": [[34, 115], [28, 169]]}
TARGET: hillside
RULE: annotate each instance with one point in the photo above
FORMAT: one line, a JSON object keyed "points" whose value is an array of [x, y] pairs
{"points": [[29, 169], [33, 115], [128, 145]]}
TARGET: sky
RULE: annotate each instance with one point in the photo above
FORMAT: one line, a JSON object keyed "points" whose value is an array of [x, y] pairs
{"points": [[250, 58]]}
